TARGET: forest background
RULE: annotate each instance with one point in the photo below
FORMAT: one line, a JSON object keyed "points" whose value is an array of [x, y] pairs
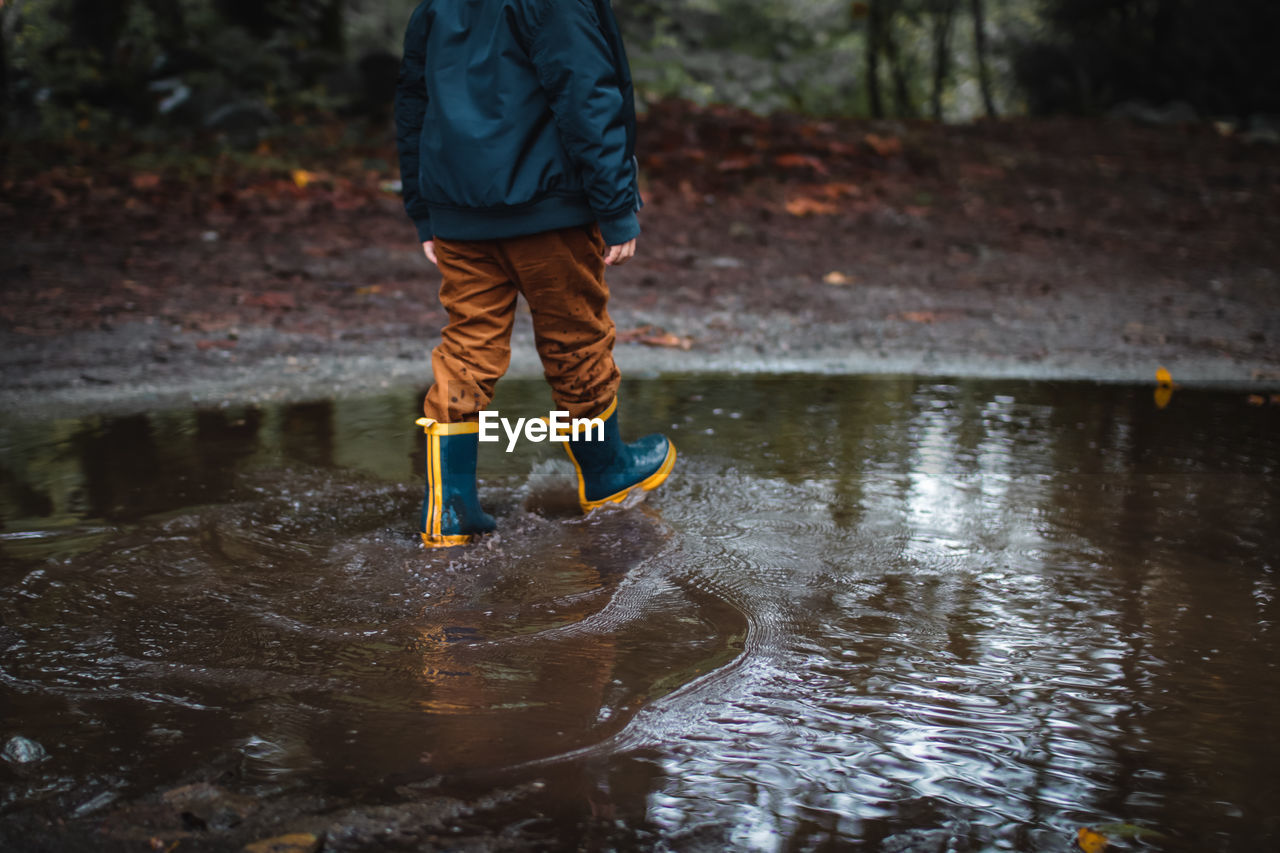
{"points": [[89, 68]]}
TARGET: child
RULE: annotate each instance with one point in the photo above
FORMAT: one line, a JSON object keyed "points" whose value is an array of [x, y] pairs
{"points": [[515, 125]]}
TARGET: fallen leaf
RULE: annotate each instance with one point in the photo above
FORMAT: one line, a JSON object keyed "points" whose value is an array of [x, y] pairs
{"points": [[810, 207], [298, 842], [277, 299], [837, 278], [926, 317], [1090, 841], [738, 164], [301, 177], [1257, 400], [631, 335], [668, 340], [145, 181], [800, 161], [368, 290], [1164, 377], [885, 146], [836, 190], [652, 336]]}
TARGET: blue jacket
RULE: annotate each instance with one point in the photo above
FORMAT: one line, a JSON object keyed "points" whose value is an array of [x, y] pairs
{"points": [[515, 117]]}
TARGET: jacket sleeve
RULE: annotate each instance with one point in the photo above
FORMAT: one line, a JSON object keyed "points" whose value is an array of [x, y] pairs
{"points": [[411, 107], [576, 68]]}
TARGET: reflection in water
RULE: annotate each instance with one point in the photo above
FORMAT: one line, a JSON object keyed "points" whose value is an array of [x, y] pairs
{"points": [[910, 615]]}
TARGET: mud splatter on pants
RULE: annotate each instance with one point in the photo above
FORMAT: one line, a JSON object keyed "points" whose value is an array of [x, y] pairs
{"points": [[561, 274]]}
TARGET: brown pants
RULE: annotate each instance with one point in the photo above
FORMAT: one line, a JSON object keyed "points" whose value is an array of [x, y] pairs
{"points": [[561, 274]]}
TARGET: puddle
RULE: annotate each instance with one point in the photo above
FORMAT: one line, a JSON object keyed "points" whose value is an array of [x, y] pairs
{"points": [[893, 613]]}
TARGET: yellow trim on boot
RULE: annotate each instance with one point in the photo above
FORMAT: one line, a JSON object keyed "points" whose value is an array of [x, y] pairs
{"points": [[648, 484], [431, 541], [432, 537], [433, 427], [608, 410], [434, 504]]}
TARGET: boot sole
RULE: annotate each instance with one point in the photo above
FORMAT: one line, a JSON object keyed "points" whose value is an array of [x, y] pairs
{"points": [[648, 484]]}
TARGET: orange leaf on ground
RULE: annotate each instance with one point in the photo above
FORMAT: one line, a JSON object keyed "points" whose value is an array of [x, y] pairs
{"points": [[885, 146], [1163, 376], [919, 316], [668, 340], [145, 181], [837, 190], [652, 336], [738, 164], [800, 161], [630, 335], [301, 177], [810, 207], [272, 299], [837, 278]]}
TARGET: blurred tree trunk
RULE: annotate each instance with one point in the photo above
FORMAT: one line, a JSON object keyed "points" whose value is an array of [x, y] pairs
{"points": [[944, 16], [980, 51], [4, 70], [901, 85], [874, 46], [330, 30]]}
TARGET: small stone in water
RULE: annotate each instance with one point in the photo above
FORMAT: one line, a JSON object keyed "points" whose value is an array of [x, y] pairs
{"points": [[21, 750]]}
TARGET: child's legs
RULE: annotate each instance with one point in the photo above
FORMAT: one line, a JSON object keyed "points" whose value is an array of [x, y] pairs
{"points": [[475, 347], [561, 274]]}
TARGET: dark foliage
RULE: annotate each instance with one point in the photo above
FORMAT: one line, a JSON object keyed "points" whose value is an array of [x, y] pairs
{"points": [[1216, 55]]}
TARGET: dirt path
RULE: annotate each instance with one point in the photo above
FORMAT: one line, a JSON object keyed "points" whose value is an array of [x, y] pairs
{"points": [[1054, 250]]}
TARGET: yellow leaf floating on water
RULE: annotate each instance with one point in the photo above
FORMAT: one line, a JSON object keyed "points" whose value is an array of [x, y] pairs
{"points": [[1090, 841], [1164, 387], [298, 842]]}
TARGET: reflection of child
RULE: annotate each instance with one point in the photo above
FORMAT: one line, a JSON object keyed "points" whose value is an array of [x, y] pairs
{"points": [[515, 125]]}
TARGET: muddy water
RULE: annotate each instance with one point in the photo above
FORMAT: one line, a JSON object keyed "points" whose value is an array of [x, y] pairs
{"points": [[894, 615]]}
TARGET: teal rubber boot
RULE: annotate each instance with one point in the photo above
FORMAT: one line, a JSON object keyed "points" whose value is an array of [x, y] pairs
{"points": [[609, 470], [451, 513]]}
